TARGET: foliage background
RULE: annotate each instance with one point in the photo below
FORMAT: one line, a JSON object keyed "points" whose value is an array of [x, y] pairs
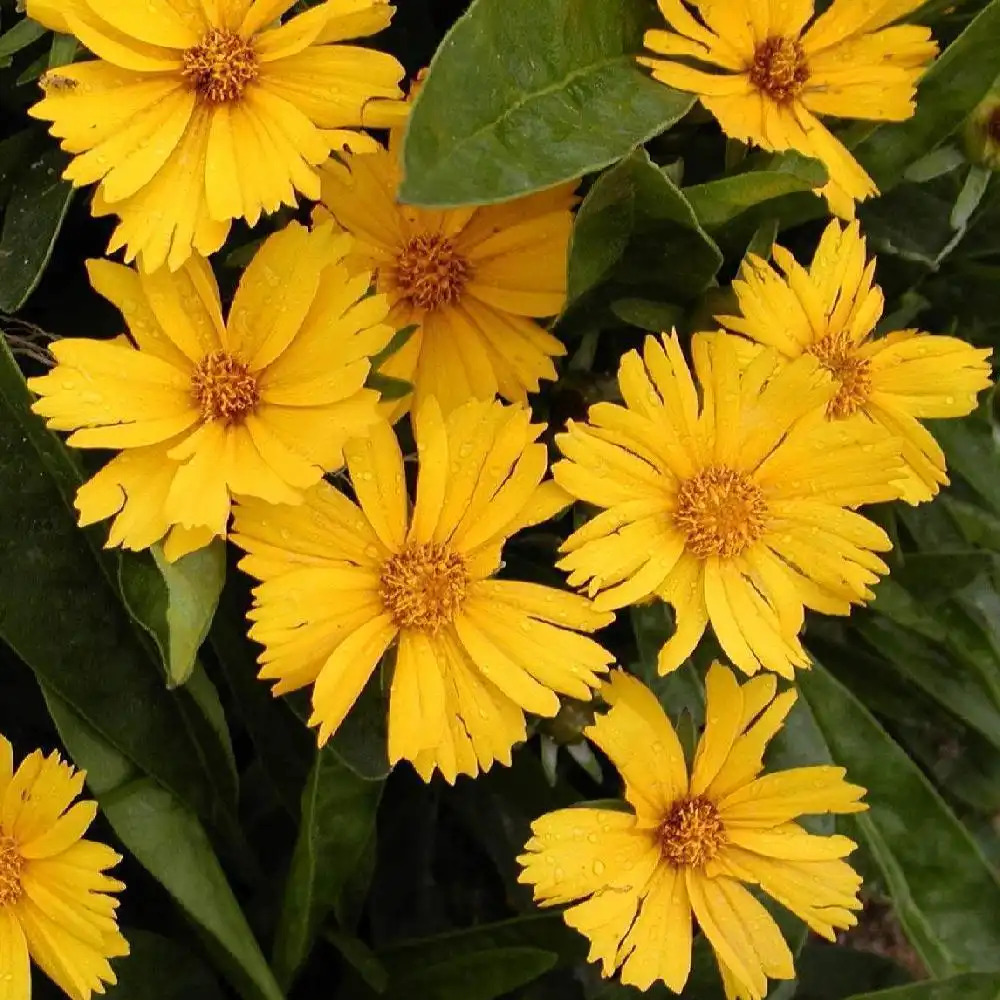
{"points": [[258, 868]]}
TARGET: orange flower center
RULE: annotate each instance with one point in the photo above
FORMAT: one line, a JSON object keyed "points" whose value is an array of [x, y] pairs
{"points": [[220, 66], [423, 587], [853, 374], [11, 864], [224, 388], [779, 68], [431, 272], [721, 512], [691, 834], [993, 125]]}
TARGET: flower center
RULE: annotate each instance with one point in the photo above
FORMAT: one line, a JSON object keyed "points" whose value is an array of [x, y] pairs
{"points": [[779, 68], [431, 272], [224, 387], [993, 125], [423, 587], [220, 66], [836, 354], [11, 864], [691, 834], [721, 512]]}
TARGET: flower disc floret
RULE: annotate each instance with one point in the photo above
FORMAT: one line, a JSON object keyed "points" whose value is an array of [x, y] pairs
{"points": [[779, 68], [853, 373], [220, 66], [11, 864], [692, 833], [423, 587], [430, 272], [721, 512], [224, 387]]}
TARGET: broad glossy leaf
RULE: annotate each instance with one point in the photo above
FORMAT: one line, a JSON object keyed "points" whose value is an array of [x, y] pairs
{"points": [[945, 895], [947, 93], [717, 202], [158, 968], [169, 842], [62, 613], [481, 975], [636, 235], [31, 223], [524, 94], [336, 824], [970, 986], [175, 601]]}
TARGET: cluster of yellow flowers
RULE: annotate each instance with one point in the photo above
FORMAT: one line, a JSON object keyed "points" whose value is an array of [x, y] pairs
{"points": [[727, 488]]}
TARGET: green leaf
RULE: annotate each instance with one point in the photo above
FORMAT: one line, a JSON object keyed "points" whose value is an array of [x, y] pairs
{"points": [[31, 223], [718, 202], [167, 839], [943, 891], [19, 37], [947, 93], [337, 822], [175, 602], [396, 343], [970, 986], [971, 448], [388, 386], [62, 51], [62, 613], [635, 231], [158, 968], [484, 975], [497, 117]]}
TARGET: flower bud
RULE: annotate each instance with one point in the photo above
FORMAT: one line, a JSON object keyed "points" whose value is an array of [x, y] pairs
{"points": [[982, 133]]}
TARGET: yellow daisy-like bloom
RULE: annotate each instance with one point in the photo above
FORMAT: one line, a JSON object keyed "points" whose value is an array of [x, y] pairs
{"points": [[344, 581], [690, 843], [830, 312], [202, 409], [197, 112], [771, 75], [474, 280], [734, 511], [54, 902]]}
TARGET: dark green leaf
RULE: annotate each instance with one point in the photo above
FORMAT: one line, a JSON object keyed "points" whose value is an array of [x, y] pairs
{"points": [[337, 822], [175, 602], [62, 613], [19, 37], [947, 93], [635, 231], [944, 893], [160, 969], [399, 339], [167, 839], [971, 986], [498, 117], [388, 386], [718, 202], [482, 975], [63, 50], [31, 223]]}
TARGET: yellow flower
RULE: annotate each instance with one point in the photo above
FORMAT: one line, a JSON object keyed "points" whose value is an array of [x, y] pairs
{"points": [[771, 76], [733, 511], [197, 113], [473, 279], [203, 410], [343, 582], [689, 844], [54, 902], [830, 312]]}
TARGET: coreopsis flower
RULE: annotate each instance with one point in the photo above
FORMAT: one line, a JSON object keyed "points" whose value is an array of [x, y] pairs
{"points": [[472, 280], [344, 581], [204, 409], [770, 73], [690, 843], [55, 906], [199, 113], [734, 510], [830, 312]]}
